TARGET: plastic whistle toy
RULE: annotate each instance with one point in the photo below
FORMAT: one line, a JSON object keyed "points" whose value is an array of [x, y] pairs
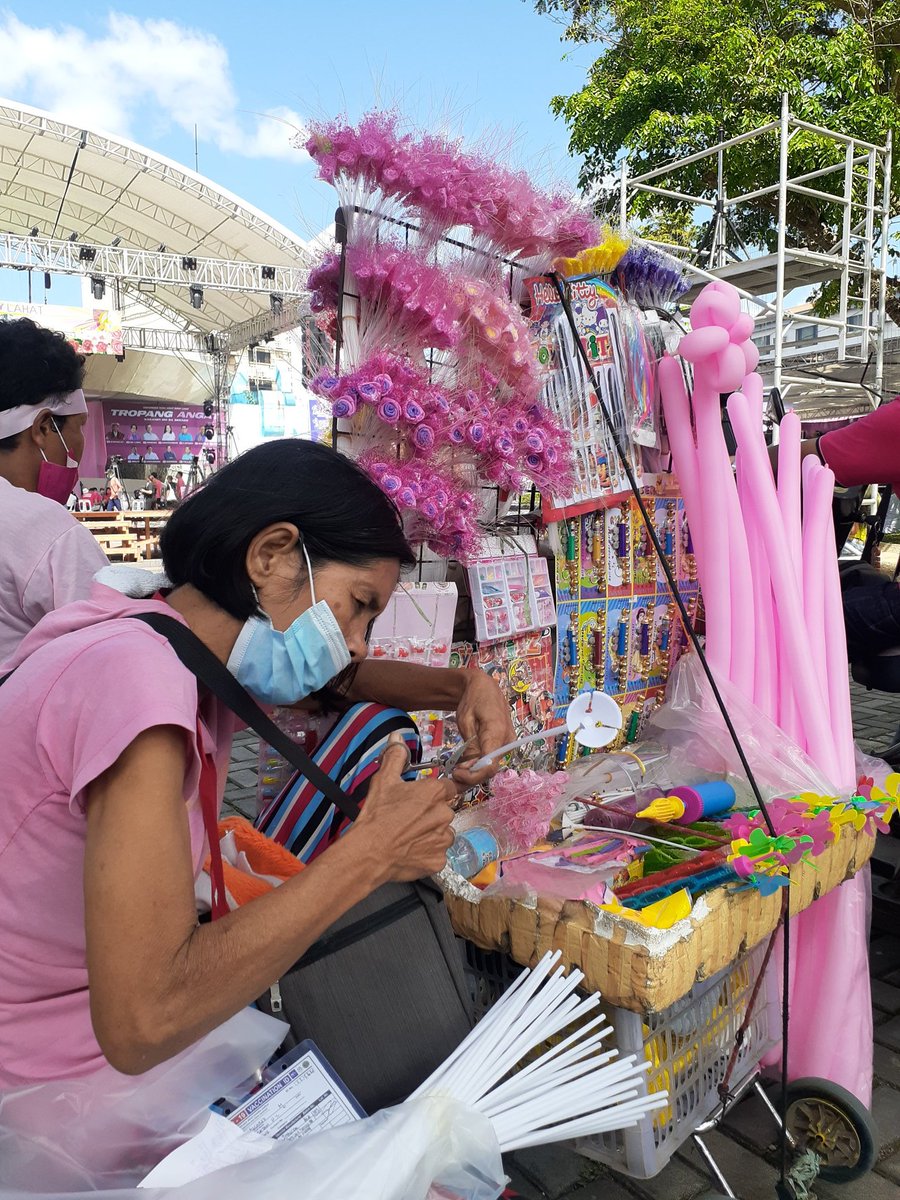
{"points": [[685, 805]]}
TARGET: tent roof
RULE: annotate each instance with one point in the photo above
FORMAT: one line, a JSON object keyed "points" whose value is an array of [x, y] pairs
{"points": [[121, 190]]}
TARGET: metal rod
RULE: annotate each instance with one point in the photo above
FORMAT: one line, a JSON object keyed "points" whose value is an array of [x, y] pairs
{"points": [[869, 240], [782, 221], [887, 165], [411, 225], [713, 1166], [718, 256], [623, 195], [701, 154], [818, 195], [671, 194], [845, 252], [796, 123], [754, 195], [773, 187]]}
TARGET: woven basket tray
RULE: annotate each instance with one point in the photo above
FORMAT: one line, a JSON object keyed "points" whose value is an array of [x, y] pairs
{"points": [[634, 967]]}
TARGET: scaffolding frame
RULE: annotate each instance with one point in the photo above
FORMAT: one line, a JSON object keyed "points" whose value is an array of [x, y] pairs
{"points": [[858, 259]]}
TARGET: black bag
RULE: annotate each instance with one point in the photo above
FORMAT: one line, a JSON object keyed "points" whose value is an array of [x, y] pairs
{"points": [[383, 993]]}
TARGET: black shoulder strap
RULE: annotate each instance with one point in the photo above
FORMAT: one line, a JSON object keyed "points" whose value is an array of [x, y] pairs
{"points": [[201, 661]]}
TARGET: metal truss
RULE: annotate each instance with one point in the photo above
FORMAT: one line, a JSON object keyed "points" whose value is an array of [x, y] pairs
{"points": [[858, 260], [238, 337], [177, 341], [64, 257]]}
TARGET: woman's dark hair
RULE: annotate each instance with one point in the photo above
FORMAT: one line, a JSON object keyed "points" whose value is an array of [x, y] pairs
{"points": [[342, 516], [34, 363]]}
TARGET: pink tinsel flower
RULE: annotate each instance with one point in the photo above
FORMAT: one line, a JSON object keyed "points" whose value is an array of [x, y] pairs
{"points": [[436, 507], [445, 186], [523, 803]]}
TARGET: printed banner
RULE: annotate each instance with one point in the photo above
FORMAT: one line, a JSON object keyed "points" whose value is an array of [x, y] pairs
{"points": [[90, 331], [153, 433]]}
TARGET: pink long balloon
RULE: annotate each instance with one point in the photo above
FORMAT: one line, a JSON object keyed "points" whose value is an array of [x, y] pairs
{"points": [[714, 473], [789, 503], [789, 484], [677, 410], [765, 663], [701, 343], [817, 528], [795, 641], [752, 387], [836, 651], [743, 618]]}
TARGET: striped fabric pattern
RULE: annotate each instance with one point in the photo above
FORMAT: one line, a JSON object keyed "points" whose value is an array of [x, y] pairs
{"points": [[300, 817]]}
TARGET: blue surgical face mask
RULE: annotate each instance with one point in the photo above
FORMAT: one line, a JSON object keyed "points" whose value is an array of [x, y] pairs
{"points": [[282, 668]]}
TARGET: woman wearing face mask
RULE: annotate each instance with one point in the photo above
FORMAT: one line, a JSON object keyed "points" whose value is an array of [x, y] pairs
{"points": [[47, 558], [279, 564]]}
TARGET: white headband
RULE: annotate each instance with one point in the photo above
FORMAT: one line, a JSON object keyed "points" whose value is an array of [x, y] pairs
{"points": [[14, 420]]}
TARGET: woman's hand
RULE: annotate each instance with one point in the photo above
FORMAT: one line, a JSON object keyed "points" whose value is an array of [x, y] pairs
{"points": [[483, 716], [406, 826]]}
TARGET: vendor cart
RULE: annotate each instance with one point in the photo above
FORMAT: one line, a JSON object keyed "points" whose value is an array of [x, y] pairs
{"points": [[704, 1045]]}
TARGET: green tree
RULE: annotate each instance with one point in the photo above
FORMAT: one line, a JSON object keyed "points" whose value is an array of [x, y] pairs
{"points": [[673, 77]]}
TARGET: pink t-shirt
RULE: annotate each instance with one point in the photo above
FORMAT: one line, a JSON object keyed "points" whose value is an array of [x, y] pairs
{"points": [[62, 728], [867, 450], [47, 559]]}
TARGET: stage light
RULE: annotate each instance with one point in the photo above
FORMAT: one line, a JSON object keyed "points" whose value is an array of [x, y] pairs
{"points": [[276, 300], [115, 242], [73, 236], [188, 264], [208, 432], [196, 295], [34, 232], [268, 272], [86, 254], [98, 287], [210, 456], [208, 408]]}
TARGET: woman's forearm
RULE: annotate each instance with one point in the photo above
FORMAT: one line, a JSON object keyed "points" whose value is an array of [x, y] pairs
{"points": [[408, 686], [158, 980], [224, 965]]}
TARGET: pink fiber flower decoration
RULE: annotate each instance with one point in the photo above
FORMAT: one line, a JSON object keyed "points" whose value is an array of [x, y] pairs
{"points": [[524, 803], [437, 180]]}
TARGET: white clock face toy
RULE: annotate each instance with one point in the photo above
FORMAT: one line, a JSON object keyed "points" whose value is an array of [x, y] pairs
{"points": [[593, 719]]}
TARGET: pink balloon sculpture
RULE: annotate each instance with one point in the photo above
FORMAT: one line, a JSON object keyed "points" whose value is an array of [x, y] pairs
{"points": [[718, 346]]}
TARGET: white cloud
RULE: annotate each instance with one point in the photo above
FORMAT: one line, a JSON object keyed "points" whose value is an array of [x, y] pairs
{"points": [[159, 69]]}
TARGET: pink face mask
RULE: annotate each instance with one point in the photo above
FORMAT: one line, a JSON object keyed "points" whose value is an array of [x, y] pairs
{"points": [[55, 482]]}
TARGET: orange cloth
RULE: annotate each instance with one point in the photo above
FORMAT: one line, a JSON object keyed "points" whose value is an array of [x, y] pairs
{"points": [[264, 856]]}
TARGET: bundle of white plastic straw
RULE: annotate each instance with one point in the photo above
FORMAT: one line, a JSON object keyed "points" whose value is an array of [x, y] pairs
{"points": [[573, 1089]]}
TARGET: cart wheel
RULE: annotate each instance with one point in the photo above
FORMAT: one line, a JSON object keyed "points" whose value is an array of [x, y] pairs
{"points": [[826, 1118]]}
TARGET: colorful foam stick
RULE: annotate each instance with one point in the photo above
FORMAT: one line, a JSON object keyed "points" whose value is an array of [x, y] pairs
{"points": [[685, 805], [703, 881]]}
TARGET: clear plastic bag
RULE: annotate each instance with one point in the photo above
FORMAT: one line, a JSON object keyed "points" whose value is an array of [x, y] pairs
{"points": [[107, 1130], [690, 725], [427, 1149]]}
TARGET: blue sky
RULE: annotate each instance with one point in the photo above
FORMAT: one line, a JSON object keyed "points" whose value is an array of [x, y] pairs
{"points": [[479, 67]]}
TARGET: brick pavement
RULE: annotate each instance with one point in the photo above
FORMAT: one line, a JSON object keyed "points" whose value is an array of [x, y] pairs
{"points": [[745, 1145]]}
